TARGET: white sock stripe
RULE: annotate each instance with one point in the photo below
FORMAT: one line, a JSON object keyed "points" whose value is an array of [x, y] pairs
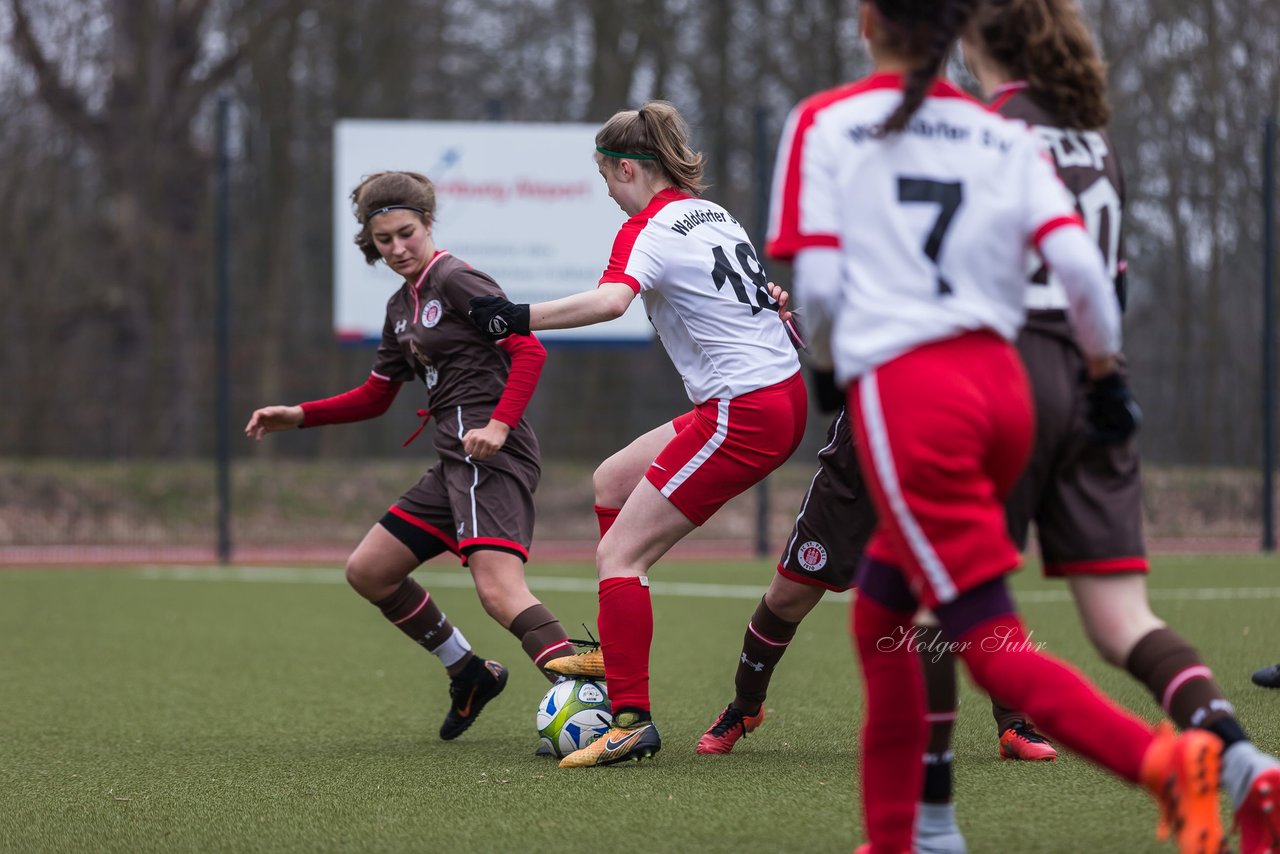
{"points": [[763, 639], [704, 453], [1195, 671], [453, 650], [542, 656], [939, 717], [882, 458]]}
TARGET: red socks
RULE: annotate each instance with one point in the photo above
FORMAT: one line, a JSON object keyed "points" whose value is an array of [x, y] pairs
{"points": [[606, 516], [626, 632], [895, 733], [1064, 705]]}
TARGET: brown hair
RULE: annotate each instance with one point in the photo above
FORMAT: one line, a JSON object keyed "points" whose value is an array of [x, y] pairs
{"points": [[923, 30], [1046, 43], [656, 129], [390, 190]]}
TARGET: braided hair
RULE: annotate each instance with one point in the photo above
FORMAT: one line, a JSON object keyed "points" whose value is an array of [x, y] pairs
{"points": [[923, 30]]}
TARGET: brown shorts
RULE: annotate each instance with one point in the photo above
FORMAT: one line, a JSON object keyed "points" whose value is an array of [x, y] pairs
{"points": [[836, 517], [1085, 499], [467, 504]]}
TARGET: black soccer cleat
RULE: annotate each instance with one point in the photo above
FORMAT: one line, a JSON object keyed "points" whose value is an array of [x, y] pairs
{"points": [[1268, 677], [469, 691]]}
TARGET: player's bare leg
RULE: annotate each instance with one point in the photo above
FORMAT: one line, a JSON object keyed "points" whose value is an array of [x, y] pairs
{"points": [[647, 527], [504, 593], [613, 481], [1117, 617], [768, 633]]}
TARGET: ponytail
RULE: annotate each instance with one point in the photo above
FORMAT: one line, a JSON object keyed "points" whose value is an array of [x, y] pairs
{"points": [[657, 138], [1046, 43]]}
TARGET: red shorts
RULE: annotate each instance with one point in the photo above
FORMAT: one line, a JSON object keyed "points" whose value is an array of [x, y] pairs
{"points": [[725, 446], [942, 433]]}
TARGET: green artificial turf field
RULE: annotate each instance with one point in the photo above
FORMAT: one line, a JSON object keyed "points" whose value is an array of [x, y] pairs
{"points": [[170, 709]]}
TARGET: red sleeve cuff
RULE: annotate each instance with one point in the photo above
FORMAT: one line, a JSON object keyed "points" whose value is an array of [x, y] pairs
{"points": [[622, 279], [787, 248], [527, 358], [1053, 225]]}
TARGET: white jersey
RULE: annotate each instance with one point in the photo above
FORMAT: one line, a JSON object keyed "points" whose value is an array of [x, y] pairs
{"points": [[705, 291], [932, 224]]}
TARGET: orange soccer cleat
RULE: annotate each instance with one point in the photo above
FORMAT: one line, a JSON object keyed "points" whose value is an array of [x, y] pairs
{"points": [[1182, 771]]}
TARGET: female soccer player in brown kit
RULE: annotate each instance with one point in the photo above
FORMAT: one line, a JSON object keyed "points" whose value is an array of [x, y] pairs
{"points": [[915, 205], [705, 292], [477, 501], [1037, 63]]}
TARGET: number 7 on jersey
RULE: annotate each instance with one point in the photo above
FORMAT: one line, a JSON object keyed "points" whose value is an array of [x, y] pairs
{"points": [[947, 196]]}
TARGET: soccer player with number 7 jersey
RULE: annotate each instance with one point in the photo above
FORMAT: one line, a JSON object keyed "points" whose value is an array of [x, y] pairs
{"points": [[911, 207], [705, 291]]}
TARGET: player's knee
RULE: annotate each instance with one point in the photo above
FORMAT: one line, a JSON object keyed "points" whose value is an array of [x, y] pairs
{"points": [[362, 576], [494, 602], [1114, 645], [605, 483]]}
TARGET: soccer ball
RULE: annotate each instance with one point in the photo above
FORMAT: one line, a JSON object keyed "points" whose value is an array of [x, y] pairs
{"points": [[573, 714]]}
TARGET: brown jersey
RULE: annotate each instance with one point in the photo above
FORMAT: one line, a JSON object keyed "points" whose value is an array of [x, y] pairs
{"points": [[427, 335], [1086, 163], [1085, 499]]}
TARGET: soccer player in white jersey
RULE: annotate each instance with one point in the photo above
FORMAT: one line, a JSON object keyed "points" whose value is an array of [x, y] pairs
{"points": [[910, 207], [706, 293]]}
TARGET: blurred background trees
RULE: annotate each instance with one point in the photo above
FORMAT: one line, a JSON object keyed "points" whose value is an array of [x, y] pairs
{"points": [[106, 154]]}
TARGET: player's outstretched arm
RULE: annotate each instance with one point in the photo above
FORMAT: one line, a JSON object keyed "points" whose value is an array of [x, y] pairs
{"points": [[498, 317], [273, 419]]}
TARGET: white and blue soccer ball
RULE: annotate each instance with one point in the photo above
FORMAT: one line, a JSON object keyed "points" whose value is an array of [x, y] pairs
{"points": [[574, 713]]}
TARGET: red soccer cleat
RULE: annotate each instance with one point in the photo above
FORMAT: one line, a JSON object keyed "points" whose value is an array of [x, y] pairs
{"points": [[732, 725], [1258, 818], [1021, 741]]}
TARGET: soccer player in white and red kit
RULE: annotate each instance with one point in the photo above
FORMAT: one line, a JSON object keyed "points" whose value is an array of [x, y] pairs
{"points": [[706, 293], [909, 207]]}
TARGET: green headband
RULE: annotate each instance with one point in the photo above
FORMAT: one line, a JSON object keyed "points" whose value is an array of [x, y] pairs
{"points": [[621, 156]]}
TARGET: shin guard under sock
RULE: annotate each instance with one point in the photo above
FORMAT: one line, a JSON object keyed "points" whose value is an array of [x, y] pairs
{"points": [[894, 733], [541, 636], [1183, 685], [941, 700], [763, 644], [605, 517], [412, 610], [626, 633]]}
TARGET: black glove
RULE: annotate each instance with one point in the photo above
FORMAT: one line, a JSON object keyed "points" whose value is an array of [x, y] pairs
{"points": [[830, 396], [497, 317], [1113, 414]]}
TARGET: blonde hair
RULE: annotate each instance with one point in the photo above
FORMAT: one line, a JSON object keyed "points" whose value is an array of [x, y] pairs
{"points": [[659, 134]]}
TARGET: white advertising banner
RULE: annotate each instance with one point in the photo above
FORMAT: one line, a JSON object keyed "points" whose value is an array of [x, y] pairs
{"points": [[521, 202]]}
